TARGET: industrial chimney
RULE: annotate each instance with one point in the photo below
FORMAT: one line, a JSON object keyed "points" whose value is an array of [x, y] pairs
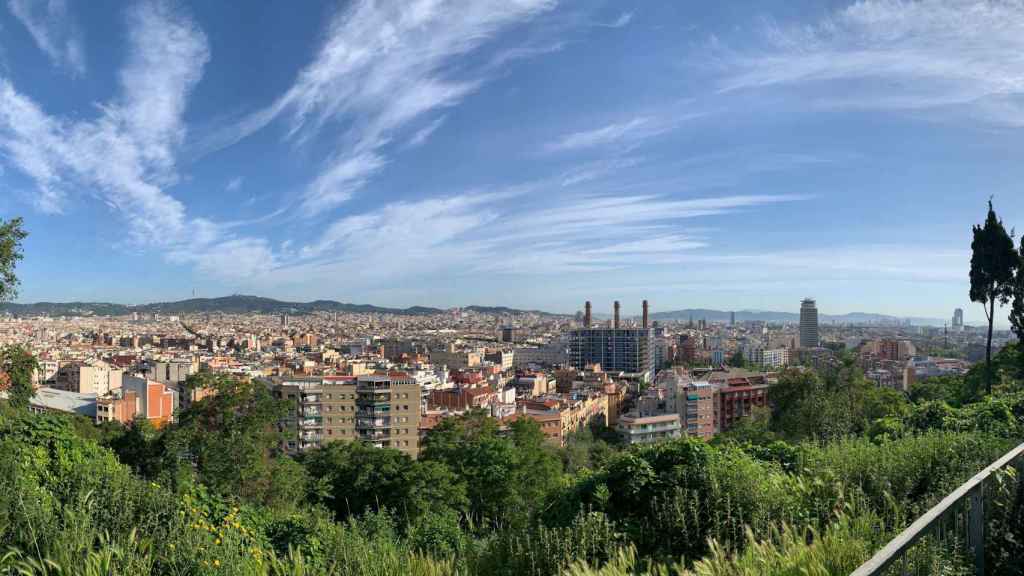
{"points": [[615, 323], [645, 323], [586, 314]]}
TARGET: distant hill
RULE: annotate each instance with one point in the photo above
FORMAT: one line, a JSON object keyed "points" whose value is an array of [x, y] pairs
{"points": [[787, 317], [236, 304]]}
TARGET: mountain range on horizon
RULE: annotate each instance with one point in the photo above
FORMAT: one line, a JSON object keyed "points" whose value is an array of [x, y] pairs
{"points": [[246, 304]]}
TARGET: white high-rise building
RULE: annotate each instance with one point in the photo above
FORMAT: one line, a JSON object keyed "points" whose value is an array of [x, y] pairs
{"points": [[809, 324]]}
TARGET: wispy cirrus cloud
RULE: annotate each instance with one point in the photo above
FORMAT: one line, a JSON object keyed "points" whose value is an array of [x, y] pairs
{"points": [[420, 136], [623, 20], [629, 131], [892, 54], [126, 155], [53, 31], [598, 169], [495, 233], [624, 135], [382, 66]]}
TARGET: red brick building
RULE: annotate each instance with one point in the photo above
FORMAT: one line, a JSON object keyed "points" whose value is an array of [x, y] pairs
{"points": [[735, 402]]}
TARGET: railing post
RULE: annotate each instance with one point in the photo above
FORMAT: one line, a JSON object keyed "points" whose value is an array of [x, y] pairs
{"points": [[976, 528]]}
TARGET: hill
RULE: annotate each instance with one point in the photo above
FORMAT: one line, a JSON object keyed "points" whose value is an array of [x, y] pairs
{"points": [[235, 304]]}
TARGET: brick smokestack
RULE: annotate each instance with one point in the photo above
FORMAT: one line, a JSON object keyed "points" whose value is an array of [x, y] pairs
{"points": [[615, 323], [646, 310], [586, 314]]}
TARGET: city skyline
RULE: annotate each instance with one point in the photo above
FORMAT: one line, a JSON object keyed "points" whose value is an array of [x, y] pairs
{"points": [[235, 303], [528, 154]]}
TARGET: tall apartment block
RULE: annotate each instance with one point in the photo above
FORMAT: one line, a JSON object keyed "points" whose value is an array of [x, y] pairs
{"points": [[616, 349], [382, 409], [809, 324], [958, 320]]}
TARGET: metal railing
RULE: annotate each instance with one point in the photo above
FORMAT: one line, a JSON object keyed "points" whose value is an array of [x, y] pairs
{"points": [[964, 508]]}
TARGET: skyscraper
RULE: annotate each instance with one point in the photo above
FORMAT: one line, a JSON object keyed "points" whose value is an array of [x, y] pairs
{"points": [[732, 318], [958, 319], [809, 324]]}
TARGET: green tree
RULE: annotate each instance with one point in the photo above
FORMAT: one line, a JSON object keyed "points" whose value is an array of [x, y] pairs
{"points": [[11, 235], [20, 366], [232, 439], [352, 478], [754, 429], [140, 447], [736, 360], [1017, 309], [17, 362], [993, 263], [507, 476], [798, 404]]}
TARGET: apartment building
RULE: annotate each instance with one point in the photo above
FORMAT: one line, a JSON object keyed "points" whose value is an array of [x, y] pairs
{"points": [[456, 359], [572, 412], [766, 358], [735, 402], [173, 372], [382, 409], [629, 350], [91, 377], [636, 429], [697, 409], [138, 397]]}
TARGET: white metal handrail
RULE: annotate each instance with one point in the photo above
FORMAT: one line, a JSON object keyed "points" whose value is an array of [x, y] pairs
{"points": [[973, 489]]}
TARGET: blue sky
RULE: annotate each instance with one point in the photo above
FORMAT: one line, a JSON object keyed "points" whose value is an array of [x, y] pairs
{"points": [[737, 155]]}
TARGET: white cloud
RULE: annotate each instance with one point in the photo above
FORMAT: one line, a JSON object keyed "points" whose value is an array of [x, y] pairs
{"points": [[625, 135], [482, 233], [892, 54], [340, 180], [126, 155], [231, 258], [420, 136], [591, 171], [623, 20], [52, 30], [382, 66], [234, 185], [630, 130]]}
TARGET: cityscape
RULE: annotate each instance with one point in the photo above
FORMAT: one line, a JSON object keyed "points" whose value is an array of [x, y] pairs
{"points": [[564, 372], [511, 288]]}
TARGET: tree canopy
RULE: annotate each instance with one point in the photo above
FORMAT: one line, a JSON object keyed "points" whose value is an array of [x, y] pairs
{"points": [[994, 262], [20, 367], [11, 236]]}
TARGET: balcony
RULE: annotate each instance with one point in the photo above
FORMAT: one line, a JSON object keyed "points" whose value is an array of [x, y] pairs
{"points": [[375, 435], [370, 407], [311, 422], [376, 398], [373, 422]]}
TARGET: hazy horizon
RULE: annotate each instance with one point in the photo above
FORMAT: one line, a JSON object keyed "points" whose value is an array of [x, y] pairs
{"points": [[629, 309]]}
